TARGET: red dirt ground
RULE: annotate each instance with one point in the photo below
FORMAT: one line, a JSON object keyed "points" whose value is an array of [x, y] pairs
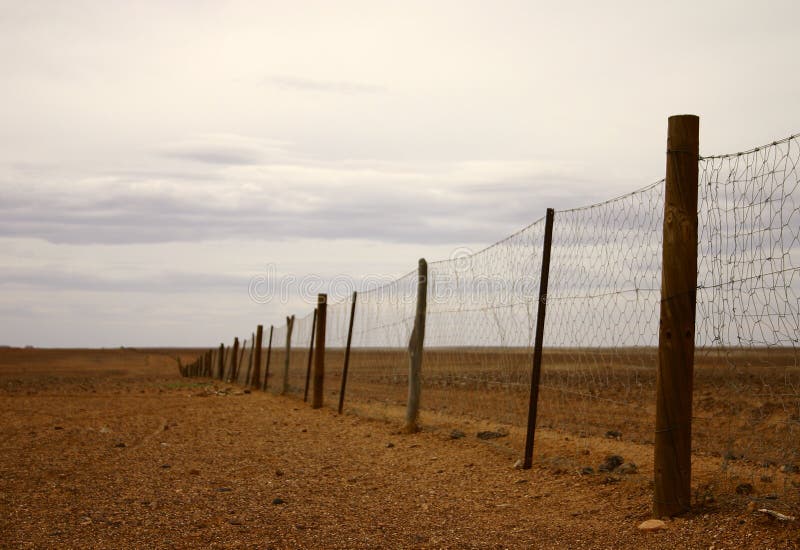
{"points": [[112, 449]]}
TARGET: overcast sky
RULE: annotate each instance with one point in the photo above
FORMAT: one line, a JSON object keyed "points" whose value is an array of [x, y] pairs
{"points": [[157, 157]]}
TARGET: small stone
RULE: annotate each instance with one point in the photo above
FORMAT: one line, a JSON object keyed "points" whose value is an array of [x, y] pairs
{"points": [[224, 489], [587, 471], [517, 465], [611, 463], [744, 489], [457, 434], [166, 466], [390, 445], [235, 521], [520, 481], [608, 480], [58, 427], [278, 473], [120, 445], [304, 430], [491, 435], [277, 501], [628, 468], [652, 525], [613, 434]]}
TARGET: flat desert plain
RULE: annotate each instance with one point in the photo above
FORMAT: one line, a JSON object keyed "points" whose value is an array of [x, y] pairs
{"points": [[113, 449]]}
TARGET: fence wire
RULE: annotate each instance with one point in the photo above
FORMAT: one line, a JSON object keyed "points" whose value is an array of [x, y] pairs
{"points": [[747, 368], [601, 333]]}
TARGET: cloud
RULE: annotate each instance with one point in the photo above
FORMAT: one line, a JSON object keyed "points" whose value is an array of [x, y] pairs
{"points": [[222, 149], [272, 194], [299, 84]]}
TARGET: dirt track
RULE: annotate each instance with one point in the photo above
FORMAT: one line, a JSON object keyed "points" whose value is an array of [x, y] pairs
{"points": [[112, 449]]}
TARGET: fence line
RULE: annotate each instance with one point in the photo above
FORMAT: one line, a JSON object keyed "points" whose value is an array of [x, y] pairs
{"points": [[600, 353]]}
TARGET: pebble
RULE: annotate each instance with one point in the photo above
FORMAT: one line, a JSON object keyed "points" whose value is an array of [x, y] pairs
{"points": [[278, 501], [613, 434], [611, 463], [652, 525], [390, 445], [457, 434], [628, 468]]}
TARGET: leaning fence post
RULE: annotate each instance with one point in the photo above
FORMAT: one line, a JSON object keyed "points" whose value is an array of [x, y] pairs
{"points": [[221, 362], [289, 327], [347, 352], [415, 348], [241, 360], [319, 357], [255, 381], [310, 355], [250, 361], [536, 365], [269, 354], [673, 435]]}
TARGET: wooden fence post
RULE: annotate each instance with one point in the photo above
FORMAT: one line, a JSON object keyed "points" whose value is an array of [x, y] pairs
{"points": [[310, 355], [289, 327], [255, 382], [415, 348], [234, 355], [250, 361], [319, 358], [347, 352], [241, 360], [673, 434], [269, 354], [221, 362], [536, 365]]}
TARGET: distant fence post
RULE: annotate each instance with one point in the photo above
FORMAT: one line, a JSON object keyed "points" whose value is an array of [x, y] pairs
{"points": [[536, 365], [289, 327], [415, 348], [269, 354], [319, 357], [241, 360], [221, 362], [347, 352], [310, 355], [250, 360], [255, 381], [673, 434], [234, 354]]}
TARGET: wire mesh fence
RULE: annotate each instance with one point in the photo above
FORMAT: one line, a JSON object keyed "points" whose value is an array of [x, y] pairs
{"points": [[601, 334], [747, 374]]}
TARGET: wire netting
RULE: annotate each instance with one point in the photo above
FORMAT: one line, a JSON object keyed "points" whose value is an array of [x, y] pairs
{"points": [[747, 367]]}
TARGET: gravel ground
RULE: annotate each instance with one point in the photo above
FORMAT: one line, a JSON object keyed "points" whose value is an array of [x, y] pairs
{"points": [[114, 450]]}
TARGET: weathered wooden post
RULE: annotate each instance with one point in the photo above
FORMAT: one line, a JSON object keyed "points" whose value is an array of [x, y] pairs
{"points": [[415, 348], [241, 360], [310, 355], [234, 355], [674, 381], [250, 361], [269, 356], [536, 366], [289, 327], [255, 382], [347, 352], [221, 362], [319, 357]]}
